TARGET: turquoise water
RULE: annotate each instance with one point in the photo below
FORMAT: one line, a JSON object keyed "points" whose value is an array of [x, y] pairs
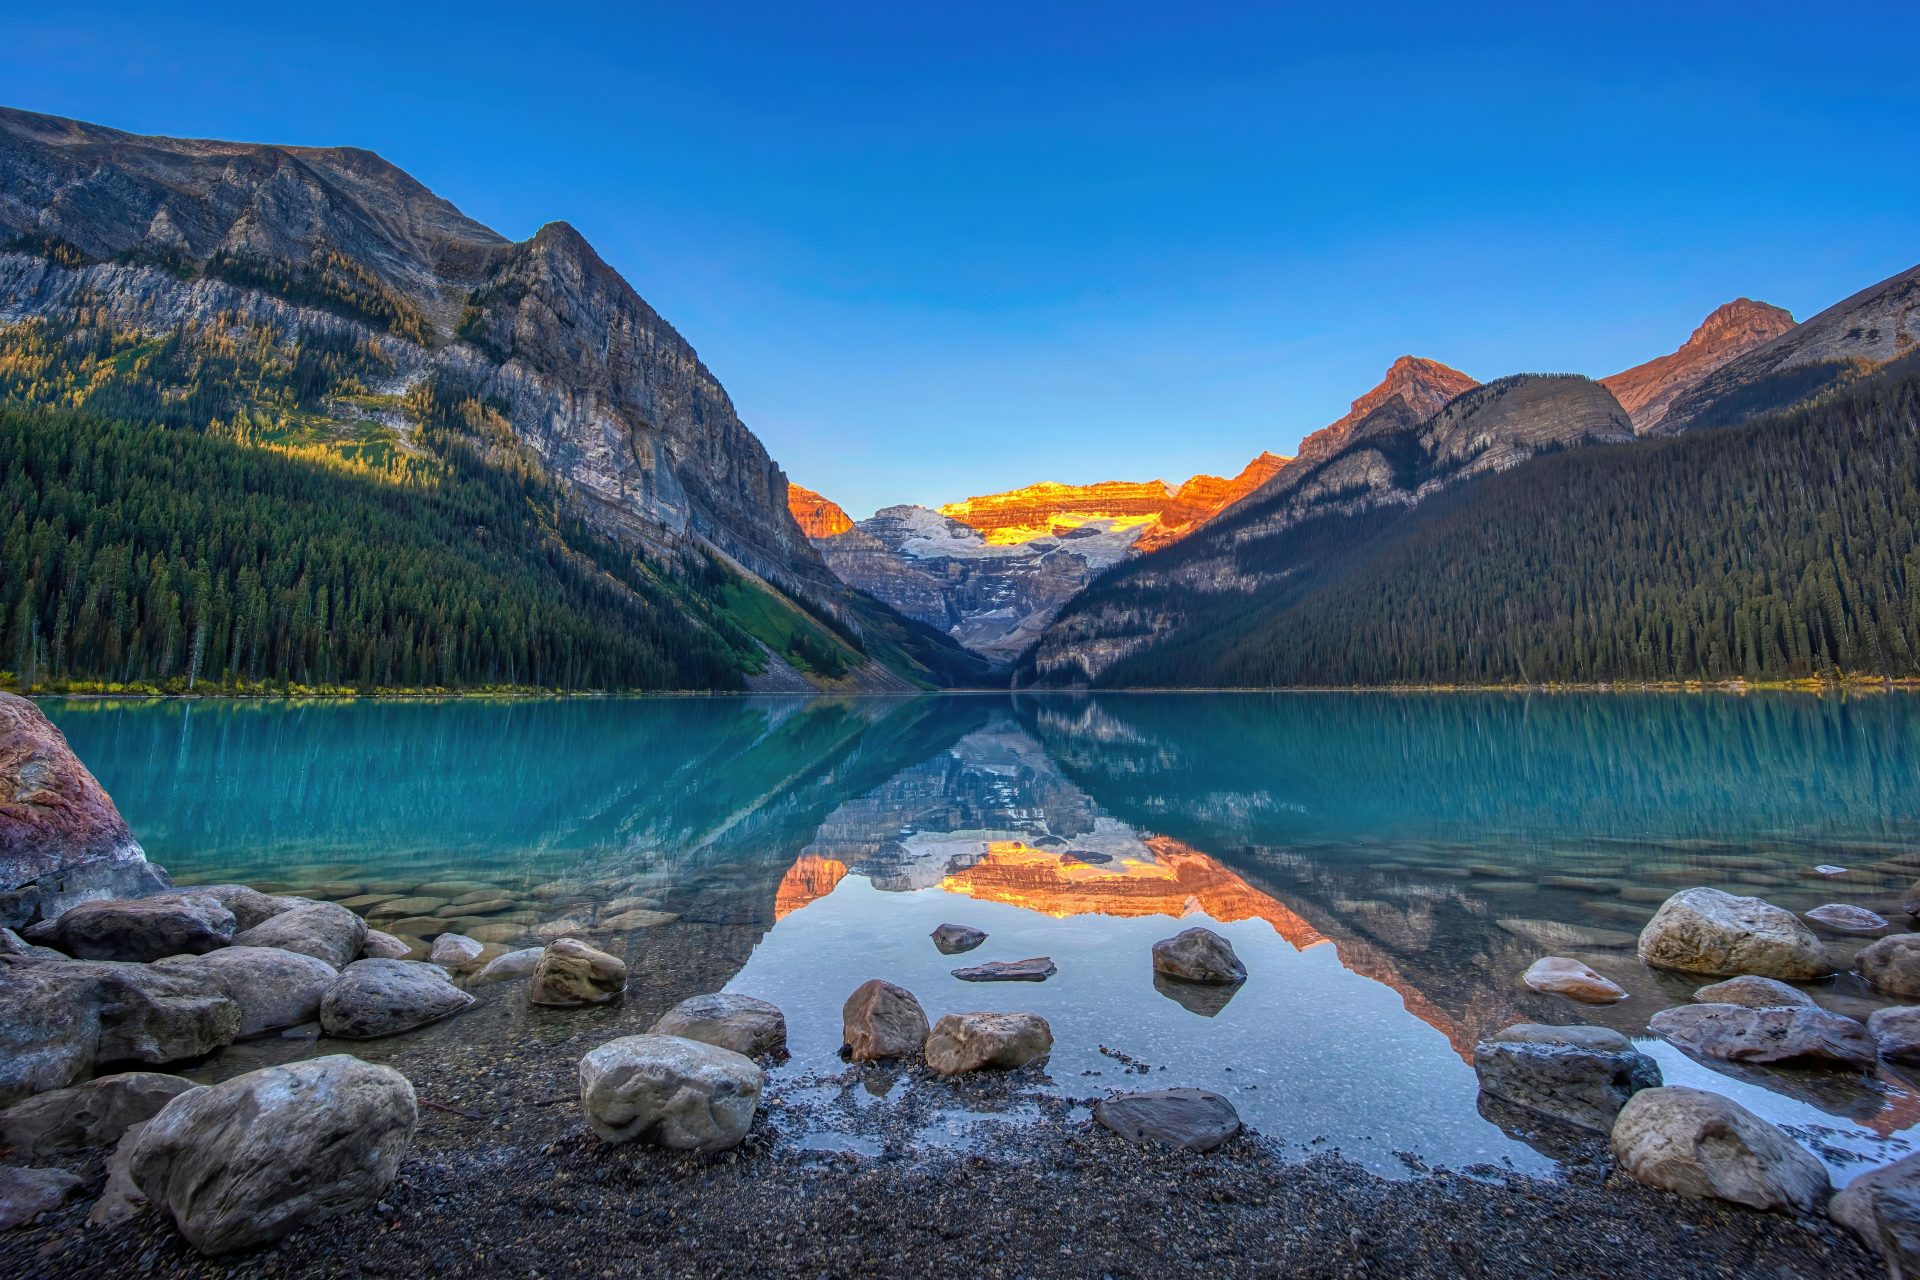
{"points": [[1386, 866]]}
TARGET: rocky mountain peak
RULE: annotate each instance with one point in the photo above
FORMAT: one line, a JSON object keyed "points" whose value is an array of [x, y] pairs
{"points": [[818, 516], [1648, 391], [1424, 386]]}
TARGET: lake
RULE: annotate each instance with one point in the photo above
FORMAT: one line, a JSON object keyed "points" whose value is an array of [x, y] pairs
{"points": [[1385, 865]]}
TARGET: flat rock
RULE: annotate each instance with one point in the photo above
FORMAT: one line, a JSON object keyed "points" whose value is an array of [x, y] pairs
{"points": [[1707, 931], [1578, 1075], [881, 1020], [25, 1194], [454, 951], [1189, 1119], [138, 929], [1882, 1207], [1843, 918], [1032, 969], [323, 930], [980, 1041], [1198, 955], [952, 939], [416, 905], [504, 968], [1801, 1034], [669, 1091], [751, 1027], [1706, 1147], [1561, 976], [1896, 1032], [273, 988], [570, 974], [1557, 935], [637, 918], [1892, 964], [1753, 992], [243, 1162], [384, 997], [62, 1122]]}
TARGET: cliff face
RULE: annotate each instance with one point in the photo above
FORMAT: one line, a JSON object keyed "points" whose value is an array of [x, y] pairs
{"points": [[817, 516], [1647, 391]]}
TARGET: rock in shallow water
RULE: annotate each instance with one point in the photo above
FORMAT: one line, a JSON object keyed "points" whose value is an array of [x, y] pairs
{"points": [[1754, 993], [242, 1163], [384, 997], [514, 964], [952, 939], [1796, 1034], [1190, 1119], [743, 1024], [272, 988], [1883, 1209], [979, 1041], [249, 906], [138, 929], [669, 1091], [1198, 955], [1704, 1146], [454, 951], [1708, 931], [1032, 969], [1892, 964], [94, 1114], [1897, 1033], [881, 1020], [384, 946], [1560, 976], [570, 974], [1842, 918], [323, 930], [1578, 1075]]}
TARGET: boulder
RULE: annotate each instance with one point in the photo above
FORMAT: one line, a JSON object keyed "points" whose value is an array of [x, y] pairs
{"points": [[1577, 1075], [1560, 976], [952, 939], [1754, 993], [62, 842], [1033, 969], [150, 1014], [49, 1032], [514, 964], [454, 951], [25, 1194], [1896, 1033], [753, 1028], [1883, 1208], [384, 946], [51, 1125], [1704, 1146], [1842, 918], [669, 1091], [1190, 1119], [243, 1162], [1802, 1034], [250, 907], [138, 929], [1892, 964], [1198, 955], [881, 1020], [120, 1200], [323, 930], [273, 988], [384, 997], [570, 974], [1707, 931], [978, 1041]]}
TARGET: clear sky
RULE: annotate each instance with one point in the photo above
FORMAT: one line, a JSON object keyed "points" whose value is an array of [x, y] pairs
{"points": [[938, 250]]}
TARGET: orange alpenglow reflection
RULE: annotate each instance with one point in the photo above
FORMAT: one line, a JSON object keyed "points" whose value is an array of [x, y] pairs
{"points": [[818, 517], [809, 879]]}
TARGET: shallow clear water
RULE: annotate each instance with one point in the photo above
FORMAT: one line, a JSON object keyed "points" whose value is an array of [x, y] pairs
{"points": [[1385, 866]]}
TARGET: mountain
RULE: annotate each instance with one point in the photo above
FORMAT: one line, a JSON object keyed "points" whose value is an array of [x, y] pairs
{"points": [[1647, 391], [320, 303], [1422, 386], [991, 571]]}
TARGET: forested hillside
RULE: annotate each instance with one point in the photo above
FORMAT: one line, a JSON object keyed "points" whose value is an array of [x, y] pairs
{"points": [[1785, 547]]}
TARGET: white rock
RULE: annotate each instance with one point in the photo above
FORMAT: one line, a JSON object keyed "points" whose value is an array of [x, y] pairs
{"points": [[670, 1091]]}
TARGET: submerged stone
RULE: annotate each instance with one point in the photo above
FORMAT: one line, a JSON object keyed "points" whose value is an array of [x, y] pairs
{"points": [[1560, 976], [1842, 918]]}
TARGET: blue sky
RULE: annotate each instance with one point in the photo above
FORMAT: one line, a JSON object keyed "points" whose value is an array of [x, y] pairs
{"points": [[935, 251]]}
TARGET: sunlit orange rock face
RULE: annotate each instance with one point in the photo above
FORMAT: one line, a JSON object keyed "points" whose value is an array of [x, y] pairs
{"points": [[1648, 390], [1204, 497], [809, 879], [1424, 385], [818, 517]]}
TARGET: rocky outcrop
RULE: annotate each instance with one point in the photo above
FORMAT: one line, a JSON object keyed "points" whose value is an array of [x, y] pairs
{"points": [[1704, 1146], [818, 516], [669, 1091], [1708, 931], [62, 841], [244, 1162], [1421, 387], [1647, 391]]}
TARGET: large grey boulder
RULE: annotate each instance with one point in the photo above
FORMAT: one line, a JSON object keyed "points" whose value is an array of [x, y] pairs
{"points": [[881, 1020], [1189, 1119], [49, 1029], [669, 1091], [1578, 1075], [243, 1162], [138, 929], [1754, 993], [148, 1014], [1883, 1209], [1704, 1146], [384, 997], [273, 988], [61, 1122], [62, 842], [1707, 931], [979, 1041], [25, 1194], [571, 974], [1198, 955], [1797, 1033], [1892, 964], [323, 930], [750, 1027]]}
